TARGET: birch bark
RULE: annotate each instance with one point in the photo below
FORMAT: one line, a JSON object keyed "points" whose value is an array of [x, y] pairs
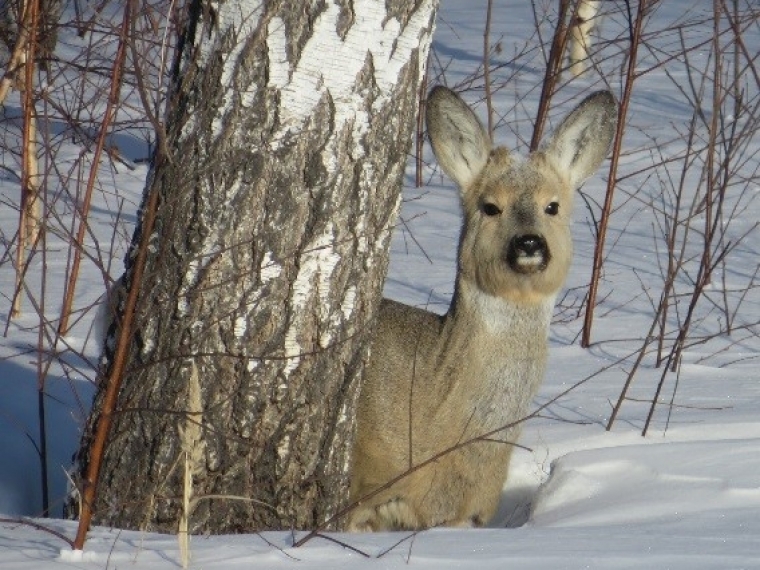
{"points": [[287, 138]]}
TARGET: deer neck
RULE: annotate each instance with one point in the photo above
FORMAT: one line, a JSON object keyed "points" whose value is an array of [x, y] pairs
{"points": [[492, 355], [478, 314]]}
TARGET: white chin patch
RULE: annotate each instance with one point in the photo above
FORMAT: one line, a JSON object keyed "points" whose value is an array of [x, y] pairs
{"points": [[529, 264], [530, 261]]}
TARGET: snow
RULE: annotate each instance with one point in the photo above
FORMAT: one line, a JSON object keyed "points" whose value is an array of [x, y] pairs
{"points": [[685, 497]]}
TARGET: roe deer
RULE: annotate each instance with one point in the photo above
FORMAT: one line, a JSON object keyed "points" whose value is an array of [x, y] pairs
{"points": [[434, 381]]}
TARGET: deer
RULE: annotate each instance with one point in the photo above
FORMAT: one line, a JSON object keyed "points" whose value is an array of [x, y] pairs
{"points": [[434, 382]]}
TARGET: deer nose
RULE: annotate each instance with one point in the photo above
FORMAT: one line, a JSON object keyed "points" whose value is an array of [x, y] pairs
{"points": [[527, 254], [528, 245]]}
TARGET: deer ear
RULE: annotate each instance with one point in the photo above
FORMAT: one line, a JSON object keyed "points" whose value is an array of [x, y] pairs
{"points": [[582, 141], [460, 142]]}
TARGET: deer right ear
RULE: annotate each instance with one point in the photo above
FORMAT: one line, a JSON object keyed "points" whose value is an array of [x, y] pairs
{"points": [[460, 142], [583, 140]]}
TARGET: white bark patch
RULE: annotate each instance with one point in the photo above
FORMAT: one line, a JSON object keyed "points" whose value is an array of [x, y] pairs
{"points": [[331, 64], [349, 302], [278, 60], [315, 271], [183, 307], [241, 326], [270, 269], [239, 19]]}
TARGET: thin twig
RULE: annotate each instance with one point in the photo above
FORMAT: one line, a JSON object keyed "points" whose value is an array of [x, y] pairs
{"points": [[113, 98], [487, 68], [551, 76], [611, 179]]}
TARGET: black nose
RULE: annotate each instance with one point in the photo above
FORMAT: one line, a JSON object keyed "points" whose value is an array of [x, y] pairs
{"points": [[528, 245], [528, 254]]}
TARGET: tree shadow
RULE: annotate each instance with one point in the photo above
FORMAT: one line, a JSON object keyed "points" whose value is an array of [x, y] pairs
{"points": [[20, 477], [124, 142]]}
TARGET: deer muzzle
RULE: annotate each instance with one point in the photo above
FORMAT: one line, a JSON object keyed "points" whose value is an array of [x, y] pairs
{"points": [[528, 253]]}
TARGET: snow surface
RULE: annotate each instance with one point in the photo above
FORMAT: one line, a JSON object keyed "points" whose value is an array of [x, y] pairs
{"points": [[686, 496]]}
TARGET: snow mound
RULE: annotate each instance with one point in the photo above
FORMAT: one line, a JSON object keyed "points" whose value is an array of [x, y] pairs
{"points": [[675, 485]]}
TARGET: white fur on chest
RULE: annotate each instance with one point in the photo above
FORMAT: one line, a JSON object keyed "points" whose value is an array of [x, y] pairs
{"points": [[500, 317], [513, 365]]}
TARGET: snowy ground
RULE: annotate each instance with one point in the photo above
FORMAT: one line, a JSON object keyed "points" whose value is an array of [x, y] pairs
{"points": [[686, 496]]}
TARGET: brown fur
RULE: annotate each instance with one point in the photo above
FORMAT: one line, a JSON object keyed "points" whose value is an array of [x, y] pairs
{"points": [[435, 381]]}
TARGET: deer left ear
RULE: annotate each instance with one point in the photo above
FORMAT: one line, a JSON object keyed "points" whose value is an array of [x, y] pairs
{"points": [[460, 142], [582, 141]]}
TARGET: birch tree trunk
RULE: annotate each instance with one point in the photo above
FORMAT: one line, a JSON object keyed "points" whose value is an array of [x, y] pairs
{"points": [[287, 139]]}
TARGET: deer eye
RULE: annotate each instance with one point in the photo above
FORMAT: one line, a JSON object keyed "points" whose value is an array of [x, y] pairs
{"points": [[552, 209], [490, 209]]}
